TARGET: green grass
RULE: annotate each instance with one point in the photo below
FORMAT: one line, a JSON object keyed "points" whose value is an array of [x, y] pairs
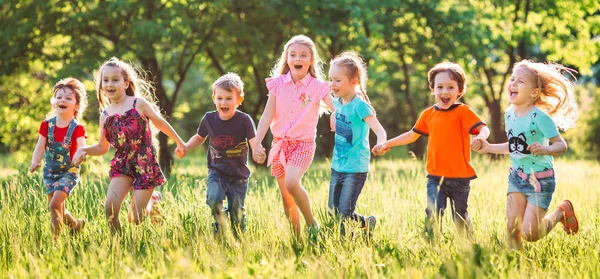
{"points": [[183, 246]]}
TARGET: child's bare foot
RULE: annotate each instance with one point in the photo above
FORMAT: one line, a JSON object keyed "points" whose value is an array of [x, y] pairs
{"points": [[569, 220], [78, 226]]}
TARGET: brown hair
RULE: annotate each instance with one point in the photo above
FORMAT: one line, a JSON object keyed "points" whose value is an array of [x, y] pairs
{"points": [[230, 82], [455, 72], [80, 95], [557, 92], [315, 69], [355, 68]]}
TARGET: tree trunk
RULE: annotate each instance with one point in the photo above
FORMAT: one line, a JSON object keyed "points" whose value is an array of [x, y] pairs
{"points": [[496, 126]]}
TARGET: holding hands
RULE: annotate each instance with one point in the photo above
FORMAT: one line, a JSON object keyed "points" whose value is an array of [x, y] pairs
{"points": [[480, 145], [380, 149], [79, 156], [181, 150], [259, 154]]}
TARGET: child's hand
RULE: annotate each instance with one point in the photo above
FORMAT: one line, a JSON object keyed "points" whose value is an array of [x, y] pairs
{"points": [[537, 149], [259, 154], [181, 151], [477, 144], [34, 167], [332, 121], [79, 157], [380, 149]]}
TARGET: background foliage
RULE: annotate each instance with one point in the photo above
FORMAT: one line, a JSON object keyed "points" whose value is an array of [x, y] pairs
{"points": [[183, 46]]}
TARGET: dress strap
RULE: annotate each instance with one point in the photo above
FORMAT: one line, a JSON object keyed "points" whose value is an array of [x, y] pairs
{"points": [[104, 112], [134, 102]]}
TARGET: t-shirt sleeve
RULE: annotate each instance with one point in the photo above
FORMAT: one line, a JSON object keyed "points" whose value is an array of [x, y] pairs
{"points": [[203, 127], [471, 121], [421, 125], [79, 132], [250, 130], [363, 110], [323, 90], [44, 129], [548, 127], [272, 85]]}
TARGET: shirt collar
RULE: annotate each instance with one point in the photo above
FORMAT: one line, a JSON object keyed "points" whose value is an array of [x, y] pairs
{"points": [[305, 80]]}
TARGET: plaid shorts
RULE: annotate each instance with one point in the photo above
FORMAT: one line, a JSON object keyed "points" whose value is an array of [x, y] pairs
{"points": [[295, 153]]}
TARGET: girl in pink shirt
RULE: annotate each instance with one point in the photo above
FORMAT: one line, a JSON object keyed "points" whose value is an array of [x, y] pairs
{"points": [[296, 90]]}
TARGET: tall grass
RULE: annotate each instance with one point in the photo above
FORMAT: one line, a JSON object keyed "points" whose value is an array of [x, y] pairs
{"points": [[184, 246]]}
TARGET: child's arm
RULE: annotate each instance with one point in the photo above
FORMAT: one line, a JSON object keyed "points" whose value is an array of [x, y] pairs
{"points": [[557, 147], [374, 124], [263, 125], [161, 124], [195, 141], [38, 153], [258, 158], [97, 149], [484, 133], [498, 148], [329, 102], [404, 139]]}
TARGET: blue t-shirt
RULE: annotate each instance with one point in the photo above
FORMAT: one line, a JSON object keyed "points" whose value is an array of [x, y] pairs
{"points": [[351, 152], [227, 148], [536, 126]]}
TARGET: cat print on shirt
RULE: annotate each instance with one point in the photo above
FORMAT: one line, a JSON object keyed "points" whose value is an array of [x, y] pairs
{"points": [[517, 145]]}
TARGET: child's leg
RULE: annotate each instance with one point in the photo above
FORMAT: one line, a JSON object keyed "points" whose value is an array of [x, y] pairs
{"points": [[57, 208], [117, 190], [458, 192], [236, 195], [293, 176], [139, 202], [289, 205], [432, 196], [515, 211], [352, 185], [335, 188], [214, 199]]}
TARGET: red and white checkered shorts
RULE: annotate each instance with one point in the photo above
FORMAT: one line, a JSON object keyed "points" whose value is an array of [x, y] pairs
{"points": [[296, 153]]}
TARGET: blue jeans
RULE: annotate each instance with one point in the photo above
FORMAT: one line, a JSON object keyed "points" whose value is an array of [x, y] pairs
{"points": [[219, 188], [457, 190], [344, 190]]}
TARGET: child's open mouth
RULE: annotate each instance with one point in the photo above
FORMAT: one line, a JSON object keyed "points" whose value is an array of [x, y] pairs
{"points": [[298, 67], [514, 93], [62, 106], [445, 100], [224, 110]]}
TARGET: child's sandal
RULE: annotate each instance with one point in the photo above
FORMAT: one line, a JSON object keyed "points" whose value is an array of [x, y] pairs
{"points": [[568, 211]]}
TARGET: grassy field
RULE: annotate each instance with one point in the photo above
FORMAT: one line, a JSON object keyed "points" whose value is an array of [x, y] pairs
{"points": [[184, 247]]}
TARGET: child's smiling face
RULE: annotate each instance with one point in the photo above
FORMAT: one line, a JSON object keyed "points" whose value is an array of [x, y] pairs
{"points": [[65, 102], [521, 87], [445, 90], [299, 60], [113, 83], [226, 102]]}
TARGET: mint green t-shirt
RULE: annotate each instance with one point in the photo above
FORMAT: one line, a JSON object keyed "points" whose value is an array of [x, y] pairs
{"points": [[536, 126], [351, 152]]}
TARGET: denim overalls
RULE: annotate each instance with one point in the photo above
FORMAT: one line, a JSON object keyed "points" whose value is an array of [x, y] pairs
{"points": [[59, 173]]}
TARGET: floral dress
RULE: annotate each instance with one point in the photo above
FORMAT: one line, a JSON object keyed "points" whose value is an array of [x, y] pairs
{"points": [[129, 133]]}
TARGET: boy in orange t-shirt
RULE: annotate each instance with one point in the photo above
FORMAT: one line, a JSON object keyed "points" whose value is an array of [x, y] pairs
{"points": [[448, 125]]}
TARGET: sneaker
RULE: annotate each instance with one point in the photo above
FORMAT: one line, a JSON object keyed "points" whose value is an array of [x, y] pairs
{"points": [[370, 223], [78, 227], [215, 227], [155, 213]]}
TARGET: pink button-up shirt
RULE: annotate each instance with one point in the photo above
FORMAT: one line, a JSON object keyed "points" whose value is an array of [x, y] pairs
{"points": [[296, 108]]}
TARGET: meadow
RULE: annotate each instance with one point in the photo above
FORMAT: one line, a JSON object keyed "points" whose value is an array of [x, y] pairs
{"points": [[183, 245]]}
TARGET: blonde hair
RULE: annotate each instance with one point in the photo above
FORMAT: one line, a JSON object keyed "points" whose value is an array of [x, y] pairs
{"points": [[456, 73], [138, 87], [557, 92], [80, 95], [355, 69], [315, 69], [230, 82]]}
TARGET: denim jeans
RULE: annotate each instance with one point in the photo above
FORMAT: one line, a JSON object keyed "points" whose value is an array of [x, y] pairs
{"points": [[457, 190], [219, 188], [344, 190]]}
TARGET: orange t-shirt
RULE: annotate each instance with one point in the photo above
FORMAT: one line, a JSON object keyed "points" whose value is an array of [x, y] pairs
{"points": [[449, 141]]}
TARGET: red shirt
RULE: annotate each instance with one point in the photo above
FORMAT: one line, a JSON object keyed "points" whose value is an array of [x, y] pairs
{"points": [[61, 132]]}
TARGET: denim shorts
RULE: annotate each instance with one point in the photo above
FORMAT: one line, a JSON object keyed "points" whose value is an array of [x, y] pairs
{"points": [[63, 181], [540, 198]]}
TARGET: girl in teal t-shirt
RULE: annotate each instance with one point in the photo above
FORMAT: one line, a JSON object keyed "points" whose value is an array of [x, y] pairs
{"points": [[354, 117], [542, 101]]}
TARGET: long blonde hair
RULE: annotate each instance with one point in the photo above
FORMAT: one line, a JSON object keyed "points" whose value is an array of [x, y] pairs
{"points": [[355, 69], [138, 87], [557, 91], [80, 95], [316, 65]]}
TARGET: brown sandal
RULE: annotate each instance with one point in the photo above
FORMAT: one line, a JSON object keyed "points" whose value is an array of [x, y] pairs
{"points": [[568, 211]]}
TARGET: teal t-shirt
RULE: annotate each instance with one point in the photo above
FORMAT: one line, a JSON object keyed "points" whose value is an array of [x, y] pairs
{"points": [[351, 152], [536, 126]]}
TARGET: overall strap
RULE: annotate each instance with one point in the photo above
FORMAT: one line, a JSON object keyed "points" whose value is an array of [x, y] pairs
{"points": [[51, 126], [69, 134]]}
